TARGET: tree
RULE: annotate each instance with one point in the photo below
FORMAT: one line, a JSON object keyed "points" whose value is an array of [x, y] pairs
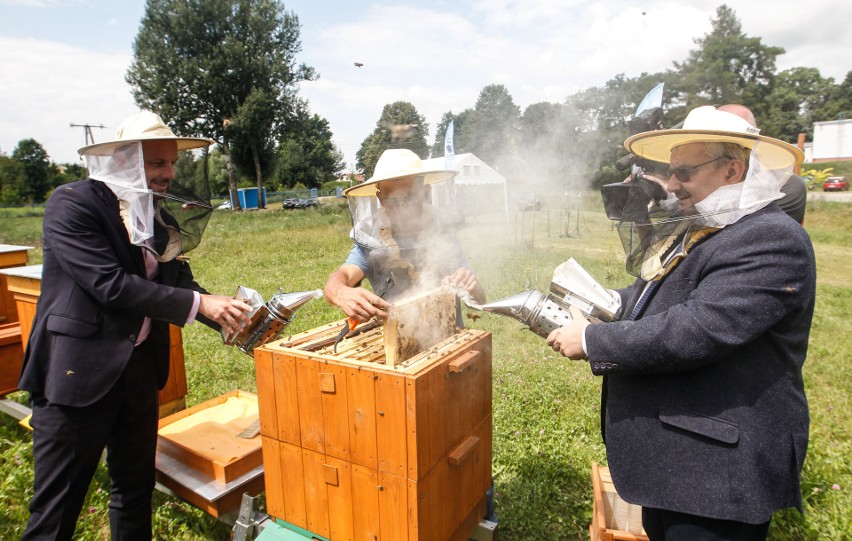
{"points": [[11, 181], [491, 131], [728, 66], [252, 148], [198, 62], [37, 170], [308, 155], [399, 126]]}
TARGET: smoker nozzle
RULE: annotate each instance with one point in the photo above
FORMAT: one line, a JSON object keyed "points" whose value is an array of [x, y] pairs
{"points": [[541, 313], [285, 304]]}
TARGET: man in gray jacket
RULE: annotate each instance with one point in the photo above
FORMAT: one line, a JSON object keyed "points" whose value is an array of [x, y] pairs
{"points": [[704, 410]]}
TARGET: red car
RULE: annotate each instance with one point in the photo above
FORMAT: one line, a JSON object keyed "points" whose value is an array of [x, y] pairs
{"points": [[835, 184]]}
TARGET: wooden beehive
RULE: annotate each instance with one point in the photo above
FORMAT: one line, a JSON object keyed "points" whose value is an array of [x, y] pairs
{"points": [[202, 457], [356, 449], [613, 519]]}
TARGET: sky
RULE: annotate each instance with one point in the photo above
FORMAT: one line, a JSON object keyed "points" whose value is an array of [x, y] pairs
{"points": [[63, 62]]}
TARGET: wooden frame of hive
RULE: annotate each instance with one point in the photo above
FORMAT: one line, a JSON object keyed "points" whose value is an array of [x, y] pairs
{"points": [[356, 449]]}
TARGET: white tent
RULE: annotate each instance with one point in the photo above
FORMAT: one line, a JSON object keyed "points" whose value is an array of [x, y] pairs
{"points": [[478, 187]]}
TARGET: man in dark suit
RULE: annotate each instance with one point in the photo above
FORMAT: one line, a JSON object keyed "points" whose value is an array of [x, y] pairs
{"points": [[99, 349], [705, 416]]}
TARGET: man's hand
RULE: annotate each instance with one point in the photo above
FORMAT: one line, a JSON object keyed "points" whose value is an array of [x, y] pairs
{"points": [[568, 340], [462, 278], [361, 304], [229, 313]]}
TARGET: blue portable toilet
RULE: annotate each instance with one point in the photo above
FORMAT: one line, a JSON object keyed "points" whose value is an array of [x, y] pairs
{"points": [[248, 197]]}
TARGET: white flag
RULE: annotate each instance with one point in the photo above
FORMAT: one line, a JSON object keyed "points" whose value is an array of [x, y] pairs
{"points": [[449, 151]]}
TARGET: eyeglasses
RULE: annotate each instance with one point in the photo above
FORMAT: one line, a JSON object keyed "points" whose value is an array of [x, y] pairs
{"points": [[683, 173], [398, 202]]}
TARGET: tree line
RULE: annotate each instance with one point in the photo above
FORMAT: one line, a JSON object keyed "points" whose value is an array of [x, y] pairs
{"points": [[227, 69], [577, 141]]}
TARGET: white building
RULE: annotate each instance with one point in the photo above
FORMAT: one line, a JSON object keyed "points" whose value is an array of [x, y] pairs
{"points": [[478, 188], [832, 141]]}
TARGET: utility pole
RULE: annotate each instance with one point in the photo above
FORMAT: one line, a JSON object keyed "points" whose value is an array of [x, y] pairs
{"points": [[90, 140]]}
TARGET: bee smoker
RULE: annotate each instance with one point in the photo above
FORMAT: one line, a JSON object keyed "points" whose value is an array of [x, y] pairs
{"points": [[268, 320], [541, 313], [571, 286]]}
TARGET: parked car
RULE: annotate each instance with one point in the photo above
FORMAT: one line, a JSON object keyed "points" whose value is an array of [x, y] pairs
{"points": [[835, 184], [529, 202], [226, 205], [290, 203], [305, 203]]}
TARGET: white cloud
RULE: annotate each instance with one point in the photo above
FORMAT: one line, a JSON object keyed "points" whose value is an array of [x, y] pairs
{"points": [[50, 85], [436, 54]]}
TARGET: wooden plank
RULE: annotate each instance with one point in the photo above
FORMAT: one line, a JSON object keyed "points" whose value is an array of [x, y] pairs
{"points": [[437, 406], [275, 495], [293, 484], [443, 504], [419, 526], [365, 503], [335, 410], [316, 495], [310, 405], [362, 417], [265, 380], [393, 507], [417, 422], [418, 323], [466, 391], [340, 501], [25, 304], [286, 385], [391, 425]]}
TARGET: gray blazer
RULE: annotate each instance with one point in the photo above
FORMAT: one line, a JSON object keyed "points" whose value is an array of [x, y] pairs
{"points": [[706, 411]]}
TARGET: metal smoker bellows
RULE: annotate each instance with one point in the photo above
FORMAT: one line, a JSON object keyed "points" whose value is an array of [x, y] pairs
{"points": [[268, 320], [571, 286]]}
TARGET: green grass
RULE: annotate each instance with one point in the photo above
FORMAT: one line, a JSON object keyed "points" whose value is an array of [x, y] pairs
{"points": [[546, 420]]}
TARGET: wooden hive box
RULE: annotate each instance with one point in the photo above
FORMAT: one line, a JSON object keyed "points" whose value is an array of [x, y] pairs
{"points": [[11, 357], [355, 449], [204, 437], [613, 519], [201, 458]]}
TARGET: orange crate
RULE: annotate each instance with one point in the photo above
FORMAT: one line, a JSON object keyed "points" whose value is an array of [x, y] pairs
{"points": [[357, 449], [613, 519], [204, 437]]}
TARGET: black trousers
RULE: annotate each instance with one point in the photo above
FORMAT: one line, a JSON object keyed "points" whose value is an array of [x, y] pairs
{"points": [[67, 446], [661, 525]]}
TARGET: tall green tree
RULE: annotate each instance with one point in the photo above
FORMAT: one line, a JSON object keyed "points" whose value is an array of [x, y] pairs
{"points": [[728, 66], [399, 126], [307, 155], [11, 181], [252, 137], [492, 130], [798, 94], [197, 62], [460, 122], [37, 170]]}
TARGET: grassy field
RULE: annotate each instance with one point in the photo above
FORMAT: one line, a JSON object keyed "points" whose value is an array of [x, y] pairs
{"points": [[546, 420]]}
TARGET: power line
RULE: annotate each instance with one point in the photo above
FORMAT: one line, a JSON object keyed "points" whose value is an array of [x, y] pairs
{"points": [[90, 139]]}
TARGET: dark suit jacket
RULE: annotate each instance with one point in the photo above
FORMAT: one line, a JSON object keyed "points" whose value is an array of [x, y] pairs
{"points": [[706, 411], [94, 297]]}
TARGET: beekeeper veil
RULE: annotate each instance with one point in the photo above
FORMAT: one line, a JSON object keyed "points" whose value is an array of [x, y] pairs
{"points": [[655, 227], [181, 213], [404, 222]]}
